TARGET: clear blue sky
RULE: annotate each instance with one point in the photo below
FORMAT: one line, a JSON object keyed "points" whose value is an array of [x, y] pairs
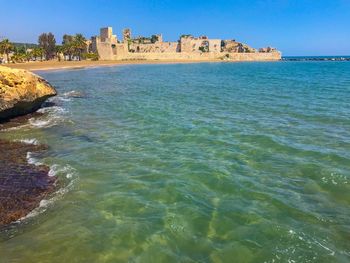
{"points": [[296, 27]]}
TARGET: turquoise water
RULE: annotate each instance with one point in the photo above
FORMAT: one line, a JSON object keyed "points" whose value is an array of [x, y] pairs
{"points": [[217, 162]]}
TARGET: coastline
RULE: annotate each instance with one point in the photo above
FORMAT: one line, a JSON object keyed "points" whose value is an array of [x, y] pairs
{"points": [[56, 65]]}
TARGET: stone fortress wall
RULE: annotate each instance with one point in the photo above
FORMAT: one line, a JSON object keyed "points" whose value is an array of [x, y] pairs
{"points": [[187, 48]]}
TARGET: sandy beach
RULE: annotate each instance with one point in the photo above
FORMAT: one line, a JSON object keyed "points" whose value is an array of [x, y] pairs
{"points": [[54, 64]]}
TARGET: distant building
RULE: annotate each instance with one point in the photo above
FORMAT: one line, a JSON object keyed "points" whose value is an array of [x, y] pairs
{"points": [[187, 47]]}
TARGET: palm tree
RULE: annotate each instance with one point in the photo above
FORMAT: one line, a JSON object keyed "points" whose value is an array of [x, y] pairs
{"points": [[68, 50], [5, 47], [38, 52], [59, 49], [79, 44]]}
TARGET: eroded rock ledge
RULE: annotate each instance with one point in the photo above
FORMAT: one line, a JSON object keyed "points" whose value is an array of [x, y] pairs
{"points": [[21, 92]]}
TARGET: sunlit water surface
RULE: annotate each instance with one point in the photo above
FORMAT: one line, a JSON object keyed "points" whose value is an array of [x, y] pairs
{"points": [[218, 162]]}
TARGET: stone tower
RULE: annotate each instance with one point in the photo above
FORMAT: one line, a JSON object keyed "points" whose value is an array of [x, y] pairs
{"points": [[126, 34], [160, 38], [106, 34]]}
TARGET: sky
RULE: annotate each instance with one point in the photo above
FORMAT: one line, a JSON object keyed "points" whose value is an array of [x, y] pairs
{"points": [[296, 27]]}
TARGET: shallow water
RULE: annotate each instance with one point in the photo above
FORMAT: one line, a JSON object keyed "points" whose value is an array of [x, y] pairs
{"points": [[217, 162]]}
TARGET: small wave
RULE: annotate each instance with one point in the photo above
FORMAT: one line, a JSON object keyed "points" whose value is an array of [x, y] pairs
{"points": [[58, 169], [55, 170], [52, 116], [16, 128], [73, 94], [67, 96], [62, 99], [32, 160], [52, 110], [41, 123], [46, 203], [29, 141]]}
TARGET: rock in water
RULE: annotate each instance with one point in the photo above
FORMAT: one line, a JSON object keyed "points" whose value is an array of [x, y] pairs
{"points": [[21, 92], [22, 185]]}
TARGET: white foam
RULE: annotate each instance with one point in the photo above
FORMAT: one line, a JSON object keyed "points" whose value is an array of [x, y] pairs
{"points": [[53, 109], [72, 93], [46, 203], [41, 123], [55, 170], [58, 169], [29, 141], [32, 160], [67, 96], [53, 116], [63, 99], [17, 127]]}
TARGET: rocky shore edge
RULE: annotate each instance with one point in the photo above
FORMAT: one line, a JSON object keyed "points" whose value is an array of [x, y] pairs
{"points": [[22, 185]]}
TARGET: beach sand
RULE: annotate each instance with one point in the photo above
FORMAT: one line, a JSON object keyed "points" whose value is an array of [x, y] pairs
{"points": [[54, 64]]}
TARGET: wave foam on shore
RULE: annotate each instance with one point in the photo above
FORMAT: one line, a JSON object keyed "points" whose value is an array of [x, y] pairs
{"points": [[52, 116], [32, 160], [29, 141], [57, 170]]}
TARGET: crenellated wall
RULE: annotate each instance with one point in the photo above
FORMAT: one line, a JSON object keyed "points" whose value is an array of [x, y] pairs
{"points": [[159, 47]]}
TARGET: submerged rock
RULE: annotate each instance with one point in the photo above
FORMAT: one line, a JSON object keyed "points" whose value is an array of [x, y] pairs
{"points": [[21, 92], [22, 185]]}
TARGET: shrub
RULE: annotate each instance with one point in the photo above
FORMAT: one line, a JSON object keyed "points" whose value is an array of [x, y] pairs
{"points": [[90, 56]]}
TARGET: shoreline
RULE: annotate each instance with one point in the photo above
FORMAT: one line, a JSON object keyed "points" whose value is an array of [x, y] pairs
{"points": [[62, 65]]}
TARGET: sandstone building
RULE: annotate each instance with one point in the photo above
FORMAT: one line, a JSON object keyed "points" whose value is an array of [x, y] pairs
{"points": [[186, 48]]}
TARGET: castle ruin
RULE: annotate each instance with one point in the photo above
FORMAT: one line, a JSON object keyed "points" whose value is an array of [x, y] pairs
{"points": [[186, 48]]}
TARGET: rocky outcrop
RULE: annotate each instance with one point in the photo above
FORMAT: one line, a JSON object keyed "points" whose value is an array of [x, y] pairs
{"points": [[21, 92]]}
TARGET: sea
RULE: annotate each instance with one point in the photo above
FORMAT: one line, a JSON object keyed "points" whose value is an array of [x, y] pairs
{"points": [[203, 162]]}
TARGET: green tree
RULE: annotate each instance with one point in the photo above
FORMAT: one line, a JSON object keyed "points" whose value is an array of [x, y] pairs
{"points": [[47, 41], [59, 50], [74, 46], [90, 56], [27, 56], [42, 41], [154, 39], [21, 50], [68, 50], [37, 52], [51, 49], [19, 57], [6, 47], [79, 44], [67, 39], [67, 46]]}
